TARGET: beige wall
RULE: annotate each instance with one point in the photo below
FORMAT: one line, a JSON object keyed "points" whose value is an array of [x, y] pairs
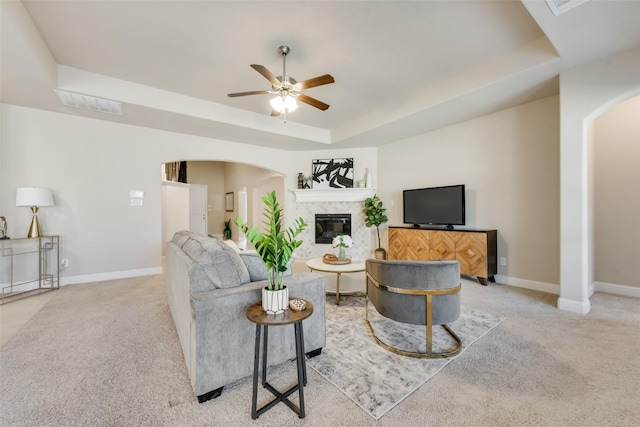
{"points": [[509, 162], [617, 205], [224, 177], [257, 182], [91, 165]]}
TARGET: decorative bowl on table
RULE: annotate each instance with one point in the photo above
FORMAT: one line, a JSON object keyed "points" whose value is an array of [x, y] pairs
{"points": [[333, 259], [297, 304]]}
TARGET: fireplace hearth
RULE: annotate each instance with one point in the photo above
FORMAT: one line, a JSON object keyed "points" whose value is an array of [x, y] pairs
{"points": [[329, 226]]}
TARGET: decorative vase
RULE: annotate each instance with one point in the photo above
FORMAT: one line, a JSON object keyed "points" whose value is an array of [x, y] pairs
{"points": [[342, 254], [380, 253], [300, 181], [275, 302], [367, 178]]}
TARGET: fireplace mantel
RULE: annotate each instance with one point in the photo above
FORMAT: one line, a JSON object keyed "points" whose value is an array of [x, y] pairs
{"points": [[334, 195]]}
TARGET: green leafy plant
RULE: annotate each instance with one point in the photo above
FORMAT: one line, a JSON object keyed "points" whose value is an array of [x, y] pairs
{"points": [[227, 229], [374, 215], [276, 246]]}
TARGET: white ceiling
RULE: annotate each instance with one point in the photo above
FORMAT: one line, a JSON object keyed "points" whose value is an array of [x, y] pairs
{"points": [[401, 67]]}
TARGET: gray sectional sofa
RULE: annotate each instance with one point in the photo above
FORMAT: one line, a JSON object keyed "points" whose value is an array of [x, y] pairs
{"points": [[209, 287]]}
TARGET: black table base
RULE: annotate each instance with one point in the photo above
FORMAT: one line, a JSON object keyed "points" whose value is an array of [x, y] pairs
{"points": [[279, 396]]}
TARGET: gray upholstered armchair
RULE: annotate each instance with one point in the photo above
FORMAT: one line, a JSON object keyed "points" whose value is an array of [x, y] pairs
{"points": [[416, 292]]}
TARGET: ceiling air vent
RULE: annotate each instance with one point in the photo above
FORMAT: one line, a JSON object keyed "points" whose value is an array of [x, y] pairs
{"points": [[87, 102], [561, 6]]}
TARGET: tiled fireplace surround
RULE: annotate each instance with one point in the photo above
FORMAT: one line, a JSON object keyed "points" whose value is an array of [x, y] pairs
{"points": [[363, 237], [308, 203]]}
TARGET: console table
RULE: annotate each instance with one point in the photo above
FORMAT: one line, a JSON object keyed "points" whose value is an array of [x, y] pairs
{"points": [[37, 254], [475, 249]]}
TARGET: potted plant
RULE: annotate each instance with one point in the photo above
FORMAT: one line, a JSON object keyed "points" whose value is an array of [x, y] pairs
{"points": [[227, 230], [374, 215], [275, 247]]}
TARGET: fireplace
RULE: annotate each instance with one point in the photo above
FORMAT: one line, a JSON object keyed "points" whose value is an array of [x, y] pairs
{"points": [[329, 226]]}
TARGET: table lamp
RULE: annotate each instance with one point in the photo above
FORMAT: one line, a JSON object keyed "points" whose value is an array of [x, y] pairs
{"points": [[35, 198]]}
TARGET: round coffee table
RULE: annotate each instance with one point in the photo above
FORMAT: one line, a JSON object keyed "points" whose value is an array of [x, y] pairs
{"points": [[355, 266]]}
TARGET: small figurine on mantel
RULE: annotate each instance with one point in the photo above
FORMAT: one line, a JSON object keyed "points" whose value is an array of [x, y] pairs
{"points": [[3, 229]]}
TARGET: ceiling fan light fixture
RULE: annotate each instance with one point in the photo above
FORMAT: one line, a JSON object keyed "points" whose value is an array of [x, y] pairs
{"points": [[288, 90], [290, 103], [284, 103]]}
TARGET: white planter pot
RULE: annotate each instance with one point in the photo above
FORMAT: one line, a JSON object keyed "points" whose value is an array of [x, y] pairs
{"points": [[275, 302]]}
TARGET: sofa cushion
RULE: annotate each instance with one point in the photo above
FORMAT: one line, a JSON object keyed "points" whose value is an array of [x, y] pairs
{"points": [[220, 263], [257, 268], [181, 237], [232, 245]]}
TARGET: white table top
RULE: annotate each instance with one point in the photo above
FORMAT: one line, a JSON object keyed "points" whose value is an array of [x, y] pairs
{"points": [[355, 266]]}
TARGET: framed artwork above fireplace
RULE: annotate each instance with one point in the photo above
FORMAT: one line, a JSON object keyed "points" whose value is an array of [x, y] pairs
{"points": [[332, 173]]}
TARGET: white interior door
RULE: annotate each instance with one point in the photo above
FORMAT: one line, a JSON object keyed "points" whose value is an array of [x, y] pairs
{"points": [[175, 209], [198, 208]]}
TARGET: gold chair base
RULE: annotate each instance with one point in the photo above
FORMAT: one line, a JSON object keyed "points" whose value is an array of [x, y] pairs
{"points": [[429, 354], [428, 299]]}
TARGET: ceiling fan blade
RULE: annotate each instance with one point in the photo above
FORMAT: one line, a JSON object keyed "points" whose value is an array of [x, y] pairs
{"points": [[316, 81], [253, 92], [266, 73], [312, 101]]}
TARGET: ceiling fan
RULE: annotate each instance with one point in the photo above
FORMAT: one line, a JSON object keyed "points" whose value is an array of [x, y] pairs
{"points": [[287, 89]]}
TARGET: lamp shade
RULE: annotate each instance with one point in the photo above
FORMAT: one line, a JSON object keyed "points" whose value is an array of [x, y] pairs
{"points": [[34, 196]]}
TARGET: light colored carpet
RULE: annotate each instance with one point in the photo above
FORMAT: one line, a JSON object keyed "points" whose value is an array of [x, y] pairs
{"points": [[107, 354], [377, 379]]}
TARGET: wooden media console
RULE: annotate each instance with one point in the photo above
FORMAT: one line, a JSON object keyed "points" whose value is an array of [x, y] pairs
{"points": [[476, 250]]}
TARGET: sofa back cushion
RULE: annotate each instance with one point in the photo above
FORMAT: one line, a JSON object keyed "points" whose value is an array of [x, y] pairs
{"points": [[257, 268], [222, 265]]}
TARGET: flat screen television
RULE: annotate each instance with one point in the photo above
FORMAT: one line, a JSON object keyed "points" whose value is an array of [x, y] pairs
{"points": [[434, 206]]}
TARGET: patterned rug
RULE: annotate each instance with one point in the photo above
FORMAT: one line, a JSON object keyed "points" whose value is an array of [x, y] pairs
{"points": [[377, 379]]}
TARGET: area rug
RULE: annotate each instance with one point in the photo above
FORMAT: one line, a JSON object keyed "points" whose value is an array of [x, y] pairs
{"points": [[377, 379]]}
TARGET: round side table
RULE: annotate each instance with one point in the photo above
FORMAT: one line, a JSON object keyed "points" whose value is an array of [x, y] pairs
{"points": [[257, 315]]}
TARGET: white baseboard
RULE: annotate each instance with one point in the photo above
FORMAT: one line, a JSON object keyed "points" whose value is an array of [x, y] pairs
{"points": [[550, 288], [99, 277], [571, 305], [580, 307], [623, 290]]}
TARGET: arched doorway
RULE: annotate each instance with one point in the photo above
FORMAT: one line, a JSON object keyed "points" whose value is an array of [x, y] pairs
{"points": [[616, 232], [586, 93], [224, 182]]}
